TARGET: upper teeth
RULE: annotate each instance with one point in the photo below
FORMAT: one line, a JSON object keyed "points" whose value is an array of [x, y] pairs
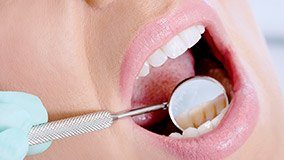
{"points": [[203, 119], [201, 113], [173, 49], [202, 129]]}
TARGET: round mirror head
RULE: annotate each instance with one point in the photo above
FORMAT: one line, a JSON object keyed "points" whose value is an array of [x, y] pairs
{"points": [[193, 97]]}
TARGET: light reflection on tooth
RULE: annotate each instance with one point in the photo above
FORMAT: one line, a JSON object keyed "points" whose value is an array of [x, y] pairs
{"points": [[216, 120], [174, 48], [144, 70], [205, 127], [190, 132], [190, 36], [158, 58], [224, 111], [175, 135]]}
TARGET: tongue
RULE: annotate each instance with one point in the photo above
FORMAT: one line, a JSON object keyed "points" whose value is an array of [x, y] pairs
{"points": [[157, 87]]}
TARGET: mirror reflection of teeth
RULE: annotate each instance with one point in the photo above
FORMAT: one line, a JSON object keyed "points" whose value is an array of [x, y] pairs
{"points": [[202, 118]]}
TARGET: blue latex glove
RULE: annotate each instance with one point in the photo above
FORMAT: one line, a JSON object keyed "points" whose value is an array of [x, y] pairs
{"points": [[18, 112]]}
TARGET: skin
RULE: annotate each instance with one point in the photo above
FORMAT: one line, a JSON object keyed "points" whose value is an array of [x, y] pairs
{"points": [[69, 53]]}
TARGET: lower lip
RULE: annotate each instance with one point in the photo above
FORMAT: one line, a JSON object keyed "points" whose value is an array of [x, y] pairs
{"points": [[235, 127]]}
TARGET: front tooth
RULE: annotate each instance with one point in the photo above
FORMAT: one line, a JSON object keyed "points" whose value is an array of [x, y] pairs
{"points": [[201, 29], [145, 70], [157, 59], [205, 127], [198, 117], [175, 47], [190, 132], [190, 36], [220, 103], [175, 135], [184, 120], [216, 120], [209, 111]]}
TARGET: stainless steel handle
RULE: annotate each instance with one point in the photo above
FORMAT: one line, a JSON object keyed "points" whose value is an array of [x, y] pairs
{"points": [[69, 127], [81, 124]]}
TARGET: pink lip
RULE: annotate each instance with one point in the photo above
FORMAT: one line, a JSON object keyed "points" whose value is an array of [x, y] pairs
{"points": [[241, 118]]}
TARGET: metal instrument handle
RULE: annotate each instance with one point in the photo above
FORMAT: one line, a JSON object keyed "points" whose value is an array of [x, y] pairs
{"points": [[73, 126]]}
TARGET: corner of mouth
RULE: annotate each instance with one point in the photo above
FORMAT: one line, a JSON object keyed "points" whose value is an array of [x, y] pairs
{"points": [[238, 122]]}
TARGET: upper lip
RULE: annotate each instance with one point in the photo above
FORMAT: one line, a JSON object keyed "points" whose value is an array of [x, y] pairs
{"points": [[239, 121]]}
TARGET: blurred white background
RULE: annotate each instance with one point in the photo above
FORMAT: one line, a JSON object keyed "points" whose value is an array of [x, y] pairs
{"points": [[269, 15]]}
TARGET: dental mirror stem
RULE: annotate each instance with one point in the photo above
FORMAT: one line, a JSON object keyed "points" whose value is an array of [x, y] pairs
{"points": [[140, 111], [73, 126], [187, 95]]}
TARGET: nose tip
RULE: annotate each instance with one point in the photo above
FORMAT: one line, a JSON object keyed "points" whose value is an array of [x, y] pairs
{"points": [[145, 7], [98, 3]]}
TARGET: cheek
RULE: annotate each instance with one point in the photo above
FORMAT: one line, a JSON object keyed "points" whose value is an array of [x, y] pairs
{"points": [[38, 39], [43, 54], [60, 84]]}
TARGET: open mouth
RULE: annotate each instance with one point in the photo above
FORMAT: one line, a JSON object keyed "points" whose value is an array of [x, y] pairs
{"points": [[189, 42], [187, 54]]}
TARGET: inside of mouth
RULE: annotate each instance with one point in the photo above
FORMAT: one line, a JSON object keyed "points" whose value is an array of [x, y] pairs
{"points": [[207, 62]]}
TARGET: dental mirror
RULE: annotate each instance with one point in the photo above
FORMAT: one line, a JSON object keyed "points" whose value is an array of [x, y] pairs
{"points": [[192, 94], [189, 96]]}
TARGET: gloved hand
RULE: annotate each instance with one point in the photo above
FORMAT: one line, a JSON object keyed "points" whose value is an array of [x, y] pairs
{"points": [[18, 112]]}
